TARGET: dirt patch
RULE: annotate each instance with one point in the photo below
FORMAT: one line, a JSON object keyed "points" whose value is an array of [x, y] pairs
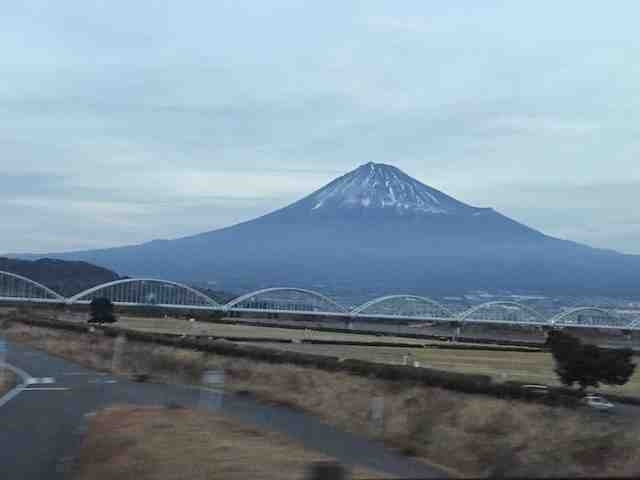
{"points": [[141, 443], [472, 434]]}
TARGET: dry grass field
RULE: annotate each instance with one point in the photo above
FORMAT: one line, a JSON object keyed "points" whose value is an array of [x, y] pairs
{"points": [[532, 367], [238, 331], [139, 443], [174, 325], [474, 435], [7, 381]]}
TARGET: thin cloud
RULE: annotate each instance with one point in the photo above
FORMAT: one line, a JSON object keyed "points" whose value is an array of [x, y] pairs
{"points": [[126, 121]]}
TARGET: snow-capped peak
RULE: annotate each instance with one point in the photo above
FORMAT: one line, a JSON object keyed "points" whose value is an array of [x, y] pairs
{"points": [[380, 186]]}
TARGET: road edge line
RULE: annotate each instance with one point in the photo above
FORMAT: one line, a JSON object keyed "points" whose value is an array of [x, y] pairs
{"points": [[18, 388]]}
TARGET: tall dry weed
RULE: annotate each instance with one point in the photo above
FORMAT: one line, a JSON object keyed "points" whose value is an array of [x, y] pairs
{"points": [[473, 434]]}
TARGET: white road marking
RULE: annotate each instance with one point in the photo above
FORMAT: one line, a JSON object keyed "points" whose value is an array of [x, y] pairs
{"points": [[99, 381], [18, 371], [10, 395], [85, 374], [19, 388], [43, 380], [40, 389]]}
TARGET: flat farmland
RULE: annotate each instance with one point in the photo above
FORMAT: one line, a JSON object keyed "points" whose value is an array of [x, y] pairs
{"points": [[240, 332], [174, 325], [533, 367]]}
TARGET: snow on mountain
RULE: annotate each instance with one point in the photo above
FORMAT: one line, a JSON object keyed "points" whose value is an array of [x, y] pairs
{"points": [[377, 229], [380, 186]]}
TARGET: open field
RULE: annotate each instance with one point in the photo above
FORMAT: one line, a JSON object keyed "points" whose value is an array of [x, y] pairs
{"points": [[174, 325], [138, 443], [474, 435], [247, 332], [7, 310], [533, 367]]}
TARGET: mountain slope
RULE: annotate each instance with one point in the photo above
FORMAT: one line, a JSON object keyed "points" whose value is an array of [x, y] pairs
{"points": [[66, 278], [377, 229]]}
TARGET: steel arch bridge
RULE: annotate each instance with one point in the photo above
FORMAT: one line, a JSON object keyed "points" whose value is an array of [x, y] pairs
{"points": [[147, 292], [403, 306], [634, 324], [14, 287], [169, 294], [591, 317], [286, 300], [509, 314]]}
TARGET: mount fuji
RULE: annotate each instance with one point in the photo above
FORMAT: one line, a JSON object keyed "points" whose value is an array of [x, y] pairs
{"points": [[376, 229]]}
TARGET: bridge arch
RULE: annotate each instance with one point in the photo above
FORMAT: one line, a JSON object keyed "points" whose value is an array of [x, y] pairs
{"points": [[634, 323], [534, 316], [14, 286], [268, 299], [147, 291], [404, 306], [610, 320]]}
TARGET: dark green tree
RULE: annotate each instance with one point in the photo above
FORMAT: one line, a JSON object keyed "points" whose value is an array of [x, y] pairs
{"points": [[617, 366], [102, 311], [588, 365]]}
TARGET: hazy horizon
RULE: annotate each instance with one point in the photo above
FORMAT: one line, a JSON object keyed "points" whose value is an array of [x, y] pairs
{"points": [[123, 123]]}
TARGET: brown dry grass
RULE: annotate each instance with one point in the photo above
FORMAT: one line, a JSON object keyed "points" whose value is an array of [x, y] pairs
{"points": [[7, 381], [531, 367], [198, 328], [176, 325], [473, 434], [141, 443]]}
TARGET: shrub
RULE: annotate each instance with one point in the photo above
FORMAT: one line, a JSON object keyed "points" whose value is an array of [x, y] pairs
{"points": [[586, 364], [102, 311]]}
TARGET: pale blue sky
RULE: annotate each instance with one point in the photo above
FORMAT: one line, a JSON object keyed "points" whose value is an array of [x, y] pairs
{"points": [[123, 121]]}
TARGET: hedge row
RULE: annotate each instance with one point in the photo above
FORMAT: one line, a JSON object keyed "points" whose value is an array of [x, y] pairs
{"points": [[452, 346], [487, 345], [46, 322], [78, 327], [462, 382]]}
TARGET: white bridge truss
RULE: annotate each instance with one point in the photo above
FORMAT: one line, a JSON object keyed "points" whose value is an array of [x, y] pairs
{"points": [[17, 288], [148, 292], [291, 300]]}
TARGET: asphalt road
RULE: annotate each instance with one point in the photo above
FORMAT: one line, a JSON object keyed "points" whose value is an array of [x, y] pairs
{"points": [[42, 422]]}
